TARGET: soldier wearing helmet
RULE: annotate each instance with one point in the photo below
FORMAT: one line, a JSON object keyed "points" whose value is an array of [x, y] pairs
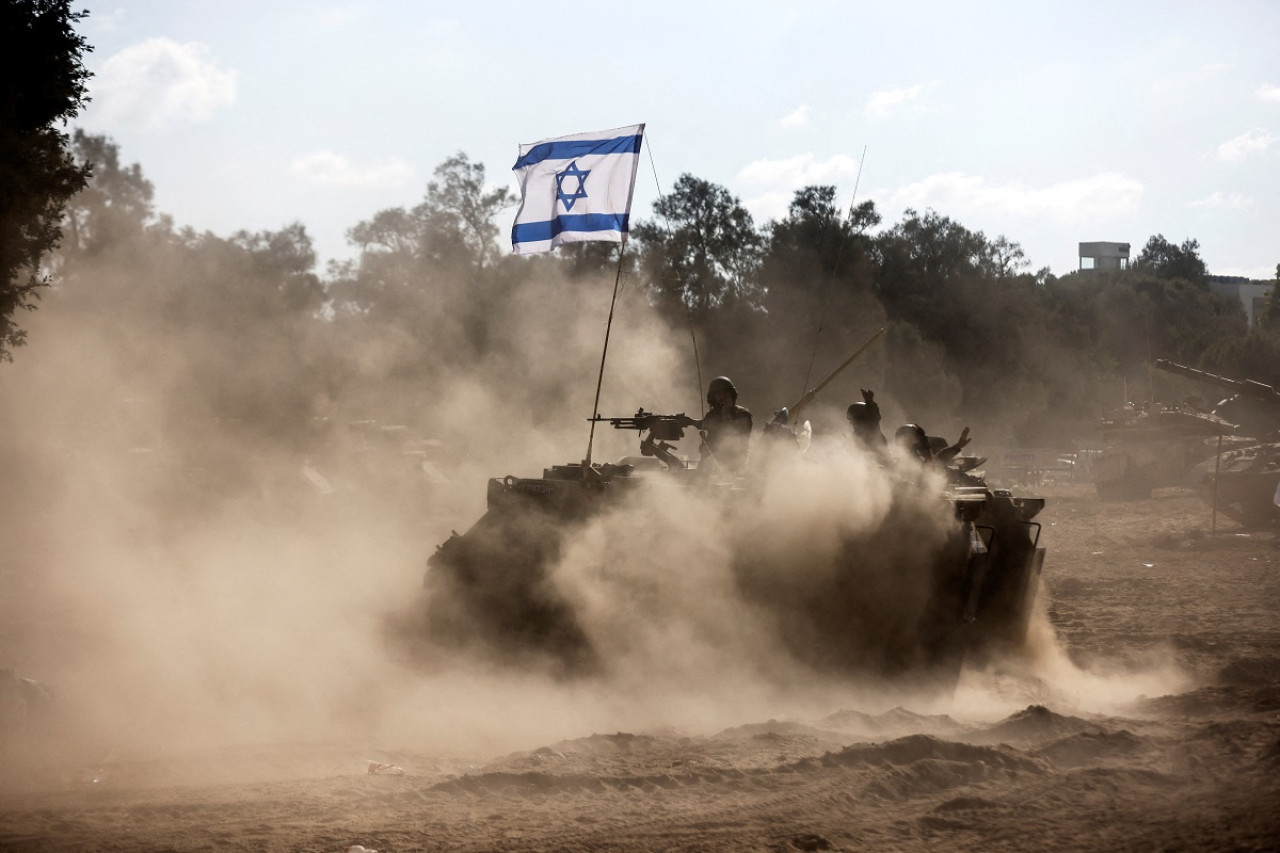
{"points": [[864, 420], [913, 440], [725, 428]]}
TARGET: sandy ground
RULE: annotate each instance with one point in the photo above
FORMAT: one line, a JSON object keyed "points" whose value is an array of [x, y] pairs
{"points": [[1136, 593]]}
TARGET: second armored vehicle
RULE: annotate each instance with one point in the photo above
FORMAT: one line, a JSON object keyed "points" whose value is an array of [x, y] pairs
{"points": [[1244, 479]]}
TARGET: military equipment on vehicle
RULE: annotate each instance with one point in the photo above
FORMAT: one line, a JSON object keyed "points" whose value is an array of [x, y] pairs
{"points": [[1243, 480], [1255, 407], [1153, 445], [495, 586]]}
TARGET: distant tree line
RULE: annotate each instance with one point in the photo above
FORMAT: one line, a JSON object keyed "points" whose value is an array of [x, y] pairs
{"points": [[974, 335]]}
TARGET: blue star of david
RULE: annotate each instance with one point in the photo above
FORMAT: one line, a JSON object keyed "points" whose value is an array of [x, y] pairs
{"points": [[581, 192]]}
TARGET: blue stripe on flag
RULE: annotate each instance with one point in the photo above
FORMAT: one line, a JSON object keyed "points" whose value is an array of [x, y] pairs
{"points": [[579, 148], [533, 232]]}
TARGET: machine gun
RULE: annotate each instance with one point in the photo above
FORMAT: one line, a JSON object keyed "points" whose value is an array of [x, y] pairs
{"points": [[660, 428]]}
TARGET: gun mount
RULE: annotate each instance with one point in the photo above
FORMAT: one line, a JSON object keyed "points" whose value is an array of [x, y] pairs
{"points": [[661, 428]]}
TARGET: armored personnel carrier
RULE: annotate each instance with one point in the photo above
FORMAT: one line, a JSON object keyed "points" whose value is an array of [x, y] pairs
{"points": [[944, 576], [1148, 446], [1244, 479]]}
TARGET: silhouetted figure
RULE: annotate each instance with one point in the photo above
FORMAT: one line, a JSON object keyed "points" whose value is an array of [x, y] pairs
{"points": [[725, 428], [864, 420], [917, 444]]}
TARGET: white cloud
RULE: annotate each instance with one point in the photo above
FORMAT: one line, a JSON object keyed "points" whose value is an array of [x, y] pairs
{"points": [[1267, 92], [1219, 201], [1245, 145], [798, 118], [799, 171], [1082, 200], [160, 82], [778, 180], [770, 205], [880, 103], [326, 167]]}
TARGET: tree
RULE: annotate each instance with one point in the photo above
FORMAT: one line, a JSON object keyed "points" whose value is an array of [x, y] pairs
{"points": [[115, 206], [429, 276], [813, 233], [817, 284], [921, 261], [457, 214], [1270, 319], [42, 84], [281, 264], [707, 255], [448, 237], [1167, 261]]}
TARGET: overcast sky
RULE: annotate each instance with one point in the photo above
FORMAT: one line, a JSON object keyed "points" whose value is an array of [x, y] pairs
{"points": [[1048, 123]]}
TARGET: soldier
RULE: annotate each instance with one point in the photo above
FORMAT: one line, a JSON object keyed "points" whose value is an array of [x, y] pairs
{"points": [[920, 446], [726, 427], [864, 419]]}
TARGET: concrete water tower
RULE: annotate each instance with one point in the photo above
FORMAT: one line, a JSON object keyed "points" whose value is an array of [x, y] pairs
{"points": [[1104, 256]]}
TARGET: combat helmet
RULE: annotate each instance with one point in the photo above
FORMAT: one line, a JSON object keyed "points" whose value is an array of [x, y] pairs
{"points": [[721, 383], [913, 438], [860, 412]]}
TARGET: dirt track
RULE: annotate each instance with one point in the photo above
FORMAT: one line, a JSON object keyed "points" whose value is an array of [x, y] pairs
{"points": [[1137, 593]]}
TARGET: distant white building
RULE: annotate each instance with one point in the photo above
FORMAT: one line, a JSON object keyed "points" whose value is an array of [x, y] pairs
{"points": [[1253, 295], [1104, 256]]}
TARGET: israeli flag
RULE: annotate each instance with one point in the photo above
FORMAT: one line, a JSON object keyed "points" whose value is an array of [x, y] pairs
{"points": [[576, 188]]}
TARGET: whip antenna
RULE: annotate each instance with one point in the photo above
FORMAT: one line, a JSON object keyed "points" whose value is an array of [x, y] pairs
{"points": [[697, 363], [831, 279]]}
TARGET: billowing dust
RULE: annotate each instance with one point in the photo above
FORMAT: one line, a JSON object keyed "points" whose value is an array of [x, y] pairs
{"points": [[185, 581]]}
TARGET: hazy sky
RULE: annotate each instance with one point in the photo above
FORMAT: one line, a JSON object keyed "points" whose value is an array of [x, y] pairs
{"points": [[1049, 123]]}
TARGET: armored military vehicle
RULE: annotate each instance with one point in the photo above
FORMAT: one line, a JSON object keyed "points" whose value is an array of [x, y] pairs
{"points": [[1243, 481], [1148, 446], [935, 582]]}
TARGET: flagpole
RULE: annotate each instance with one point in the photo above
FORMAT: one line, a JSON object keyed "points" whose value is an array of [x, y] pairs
{"points": [[595, 407]]}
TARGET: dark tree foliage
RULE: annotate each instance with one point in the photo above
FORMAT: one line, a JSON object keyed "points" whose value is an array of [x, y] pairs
{"points": [[457, 213], [1165, 260], [975, 338], [283, 262], [921, 260], [817, 281], [813, 245], [42, 83], [702, 252], [431, 271], [1270, 319], [115, 207], [451, 231], [969, 298], [595, 258]]}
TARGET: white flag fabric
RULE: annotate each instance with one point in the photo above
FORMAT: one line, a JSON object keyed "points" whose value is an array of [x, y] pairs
{"points": [[576, 188]]}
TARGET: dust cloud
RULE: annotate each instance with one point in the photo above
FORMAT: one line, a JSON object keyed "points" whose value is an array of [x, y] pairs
{"points": [[185, 580]]}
